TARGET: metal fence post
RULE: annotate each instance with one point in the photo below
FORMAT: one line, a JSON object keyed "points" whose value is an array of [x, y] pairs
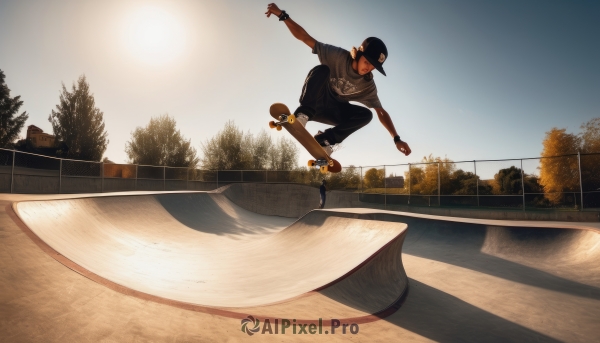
{"points": [[384, 188], [409, 182], [187, 179], [60, 176], [164, 178], [217, 178], [102, 175], [476, 182], [361, 183], [12, 173], [439, 187], [580, 182], [523, 184], [136, 177]]}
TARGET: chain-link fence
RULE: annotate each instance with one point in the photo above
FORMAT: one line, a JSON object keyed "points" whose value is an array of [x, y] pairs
{"points": [[590, 177], [6, 171], [35, 174], [570, 182]]}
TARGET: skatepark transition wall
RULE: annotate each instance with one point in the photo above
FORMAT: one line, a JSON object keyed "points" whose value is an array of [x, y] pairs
{"points": [[206, 252], [283, 199], [293, 200]]}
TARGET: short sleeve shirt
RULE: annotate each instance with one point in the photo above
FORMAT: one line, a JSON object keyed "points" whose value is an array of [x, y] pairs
{"points": [[344, 81]]}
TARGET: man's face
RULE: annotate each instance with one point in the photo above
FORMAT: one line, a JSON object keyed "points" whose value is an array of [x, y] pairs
{"points": [[364, 66]]}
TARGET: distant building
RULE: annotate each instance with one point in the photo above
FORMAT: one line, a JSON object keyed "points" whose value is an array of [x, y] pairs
{"points": [[394, 182], [38, 138]]}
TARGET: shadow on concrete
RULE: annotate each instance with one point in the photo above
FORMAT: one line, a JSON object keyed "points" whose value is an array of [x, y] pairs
{"points": [[213, 213], [501, 268], [460, 244], [441, 317], [512, 271]]}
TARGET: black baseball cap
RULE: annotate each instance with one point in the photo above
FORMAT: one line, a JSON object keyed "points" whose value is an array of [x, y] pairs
{"points": [[375, 52]]}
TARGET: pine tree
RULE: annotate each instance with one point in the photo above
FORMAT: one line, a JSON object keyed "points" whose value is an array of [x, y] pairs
{"points": [[79, 124], [10, 123]]}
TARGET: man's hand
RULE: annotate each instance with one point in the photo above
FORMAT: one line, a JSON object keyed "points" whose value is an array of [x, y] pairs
{"points": [[403, 147], [296, 30], [273, 9]]}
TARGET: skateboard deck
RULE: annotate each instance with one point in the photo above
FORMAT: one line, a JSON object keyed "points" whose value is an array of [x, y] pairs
{"points": [[288, 121]]}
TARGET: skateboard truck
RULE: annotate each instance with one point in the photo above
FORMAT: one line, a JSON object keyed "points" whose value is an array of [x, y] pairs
{"points": [[322, 164], [284, 118]]}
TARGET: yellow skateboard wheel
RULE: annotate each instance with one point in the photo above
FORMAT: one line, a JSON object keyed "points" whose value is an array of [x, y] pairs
{"points": [[272, 124], [291, 118], [311, 163], [324, 169], [278, 127]]}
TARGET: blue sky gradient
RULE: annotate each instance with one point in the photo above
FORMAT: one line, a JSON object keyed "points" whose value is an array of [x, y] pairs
{"points": [[466, 79]]}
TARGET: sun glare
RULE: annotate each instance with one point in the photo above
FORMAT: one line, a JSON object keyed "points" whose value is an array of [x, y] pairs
{"points": [[154, 35]]}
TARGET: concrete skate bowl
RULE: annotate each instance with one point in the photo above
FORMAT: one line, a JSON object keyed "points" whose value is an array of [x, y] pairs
{"points": [[201, 252], [498, 280]]}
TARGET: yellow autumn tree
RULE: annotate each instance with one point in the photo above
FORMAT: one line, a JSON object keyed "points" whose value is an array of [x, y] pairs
{"points": [[559, 174], [374, 178], [424, 178]]}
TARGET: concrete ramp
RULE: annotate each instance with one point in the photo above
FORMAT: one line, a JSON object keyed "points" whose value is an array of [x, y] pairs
{"points": [[207, 260], [200, 249]]}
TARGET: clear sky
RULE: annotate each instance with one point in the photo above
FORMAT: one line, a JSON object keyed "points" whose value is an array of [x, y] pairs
{"points": [[466, 79]]}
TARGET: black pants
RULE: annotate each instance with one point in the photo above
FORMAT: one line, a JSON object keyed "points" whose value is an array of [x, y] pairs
{"points": [[320, 104], [322, 202]]}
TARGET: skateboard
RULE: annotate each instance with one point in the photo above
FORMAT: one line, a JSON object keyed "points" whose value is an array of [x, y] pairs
{"points": [[288, 121]]}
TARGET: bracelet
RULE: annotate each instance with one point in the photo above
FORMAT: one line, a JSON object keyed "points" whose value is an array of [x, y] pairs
{"points": [[283, 16], [397, 139]]}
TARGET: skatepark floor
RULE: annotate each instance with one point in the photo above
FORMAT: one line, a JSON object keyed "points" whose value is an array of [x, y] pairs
{"points": [[468, 280]]}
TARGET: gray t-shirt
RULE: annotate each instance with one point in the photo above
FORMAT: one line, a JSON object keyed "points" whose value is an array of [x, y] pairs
{"points": [[348, 84]]}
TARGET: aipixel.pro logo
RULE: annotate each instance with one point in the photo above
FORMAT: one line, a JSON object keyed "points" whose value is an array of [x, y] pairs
{"points": [[250, 321], [252, 325]]}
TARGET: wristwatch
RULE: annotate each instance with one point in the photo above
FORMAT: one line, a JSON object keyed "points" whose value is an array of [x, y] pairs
{"points": [[283, 16]]}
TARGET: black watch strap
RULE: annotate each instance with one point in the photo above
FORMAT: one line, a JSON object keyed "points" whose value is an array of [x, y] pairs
{"points": [[283, 16], [397, 139]]}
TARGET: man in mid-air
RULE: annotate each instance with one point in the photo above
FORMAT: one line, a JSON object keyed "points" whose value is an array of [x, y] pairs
{"points": [[343, 76]]}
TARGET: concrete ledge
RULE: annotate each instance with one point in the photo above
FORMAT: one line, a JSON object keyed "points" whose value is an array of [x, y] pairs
{"points": [[540, 215]]}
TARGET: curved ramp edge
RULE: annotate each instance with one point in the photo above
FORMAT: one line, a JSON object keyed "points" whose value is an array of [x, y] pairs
{"points": [[350, 275]]}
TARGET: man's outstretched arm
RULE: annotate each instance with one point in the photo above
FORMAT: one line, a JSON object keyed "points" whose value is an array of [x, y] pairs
{"points": [[294, 28], [386, 120]]}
